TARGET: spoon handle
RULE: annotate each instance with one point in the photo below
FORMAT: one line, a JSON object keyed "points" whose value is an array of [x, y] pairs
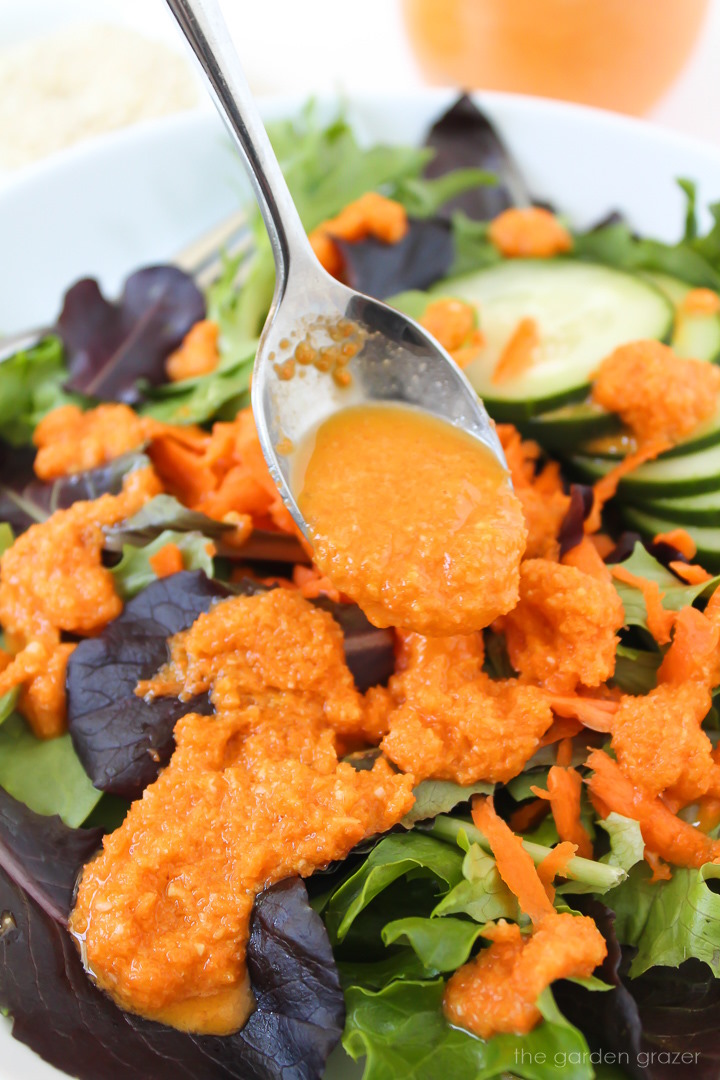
{"points": [[202, 23]]}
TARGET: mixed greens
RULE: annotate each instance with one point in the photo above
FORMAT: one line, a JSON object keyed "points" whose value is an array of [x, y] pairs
{"points": [[364, 951]]}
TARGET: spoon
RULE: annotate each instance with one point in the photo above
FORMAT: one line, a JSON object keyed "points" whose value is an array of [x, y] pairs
{"points": [[398, 361]]}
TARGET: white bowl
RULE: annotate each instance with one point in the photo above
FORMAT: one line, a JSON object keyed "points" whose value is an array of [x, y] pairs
{"points": [[136, 196]]}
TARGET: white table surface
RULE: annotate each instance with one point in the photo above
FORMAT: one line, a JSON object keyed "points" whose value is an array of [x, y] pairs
{"points": [[306, 46]]}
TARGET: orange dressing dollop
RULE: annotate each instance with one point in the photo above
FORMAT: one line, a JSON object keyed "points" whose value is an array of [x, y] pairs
{"points": [[413, 519]]}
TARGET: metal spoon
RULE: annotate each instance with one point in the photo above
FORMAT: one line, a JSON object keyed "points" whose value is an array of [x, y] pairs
{"points": [[398, 362]]}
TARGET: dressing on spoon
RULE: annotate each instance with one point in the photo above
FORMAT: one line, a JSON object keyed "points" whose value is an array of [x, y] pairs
{"points": [[413, 519]]}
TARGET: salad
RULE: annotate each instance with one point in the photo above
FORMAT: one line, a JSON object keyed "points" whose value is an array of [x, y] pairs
{"points": [[242, 825]]}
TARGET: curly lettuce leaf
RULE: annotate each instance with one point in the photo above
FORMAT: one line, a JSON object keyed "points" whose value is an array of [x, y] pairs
{"points": [[134, 572], [627, 846], [45, 774], [392, 858], [401, 1032], [657, 1026], [669, 921]]}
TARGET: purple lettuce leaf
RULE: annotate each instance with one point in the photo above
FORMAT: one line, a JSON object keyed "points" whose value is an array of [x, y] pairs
{"points": [[123, 740], [109, 347], [369, 652], [423, 256], [25, 500], [572, 528], [650, 1021], [59, 1013], [464, 138]]}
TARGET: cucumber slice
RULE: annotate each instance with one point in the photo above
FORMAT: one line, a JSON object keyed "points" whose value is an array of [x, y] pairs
{"points": [[686, 509], [583, 311], [690, 474], [693, 336], [565, 428], [612, 448], [707, 539]]}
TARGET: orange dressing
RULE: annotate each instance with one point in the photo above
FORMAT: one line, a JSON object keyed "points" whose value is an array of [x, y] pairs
{"points": [[252, 795], [413, 519]]}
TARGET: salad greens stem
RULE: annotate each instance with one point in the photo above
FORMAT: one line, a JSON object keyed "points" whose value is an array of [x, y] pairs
{"points": [[598, 876]]}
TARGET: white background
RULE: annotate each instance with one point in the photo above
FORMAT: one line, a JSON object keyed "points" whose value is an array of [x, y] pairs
{"points": [[300, 46]]}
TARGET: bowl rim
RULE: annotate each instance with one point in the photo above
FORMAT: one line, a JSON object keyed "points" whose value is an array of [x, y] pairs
{"points": [[505, 106]]}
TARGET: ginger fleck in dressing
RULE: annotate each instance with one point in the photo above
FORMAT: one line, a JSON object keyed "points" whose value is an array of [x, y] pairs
{"points": [[413, 519]]}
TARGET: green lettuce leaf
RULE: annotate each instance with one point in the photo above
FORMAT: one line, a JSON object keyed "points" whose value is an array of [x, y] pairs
{"points": [[7, 537], [677, 595], [636, 669], [695, 259], [392, 858], [627, 846], [482, 894], [30, 386], [401, 1031], [161, 513], [134, 572], [424, 198], [45, 774], [219, 395], [7, 704], [669, 921], [440, 944], [326, 168], [433, 797]]}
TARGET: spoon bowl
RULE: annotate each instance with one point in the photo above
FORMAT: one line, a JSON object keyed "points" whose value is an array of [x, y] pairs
{"points": [[393, 360]]}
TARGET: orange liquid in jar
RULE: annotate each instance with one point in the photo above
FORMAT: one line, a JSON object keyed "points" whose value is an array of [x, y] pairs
{"points": [[413, 519], [616, 54]]}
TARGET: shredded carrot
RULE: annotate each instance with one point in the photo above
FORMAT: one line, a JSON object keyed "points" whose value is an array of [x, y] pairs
{"points": [[671, 838], [198, 354], [312, 583], [602, 543], [562, 728], [680, 539], [519, 352], [660, 870], [708, 812], [553, 864], [692, 573], [168, 560], [540, 490], [594, 713], [660, 622], [563, 793], [564, 753], [585, 556], [529, 232], [693, 648], [528, 817], [515, 866], [700, 302]]}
